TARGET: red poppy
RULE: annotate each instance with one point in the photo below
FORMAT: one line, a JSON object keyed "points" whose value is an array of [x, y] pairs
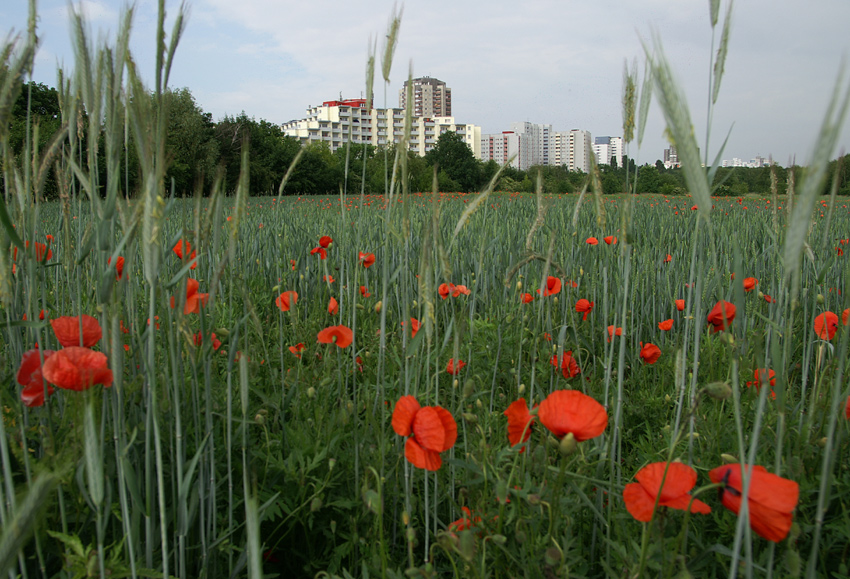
{"points": [[184, 251], [364, 292], [323, 254], [717, 313], [453, 368], [680, 305], [433, 431], [40, 316], [571, 412], [527, 298], [69, 333], [584, 306], [847, 409], [464, 523], [771, 498], [292, 264], [199, 339], [650, 353], [673, 492], [297, 348], [194, 300], [449, 289], [119, 266], [286, 300], [75, 368], [610, 240], [666, 325], [592, 241], [414, 327], [49, 238], [668, 259], [750, 283], [845, 316], [768, 299], [569, 366], [40, 250], [367, 259], [325, 241], [328, 278], [614, 332], [30, 377], [553, 286], [826, 325], [333, 306], [520, 421], [342, 336]]}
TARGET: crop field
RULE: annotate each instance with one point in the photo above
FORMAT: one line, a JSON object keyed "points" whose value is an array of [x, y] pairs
{"points": [[412, 384]]}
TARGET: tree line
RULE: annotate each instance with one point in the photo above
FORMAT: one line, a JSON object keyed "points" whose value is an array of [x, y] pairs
{"points": [[200, 148]]}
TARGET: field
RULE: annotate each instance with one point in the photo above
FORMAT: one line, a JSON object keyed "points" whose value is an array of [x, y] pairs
{"points": [[412, 384]]}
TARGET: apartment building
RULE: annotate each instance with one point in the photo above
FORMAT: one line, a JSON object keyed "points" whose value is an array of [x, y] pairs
{"points": [[431, 97], [607, 148]]}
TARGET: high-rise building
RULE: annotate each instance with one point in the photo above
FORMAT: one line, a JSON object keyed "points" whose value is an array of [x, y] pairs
{"points": [[540, 141], [431, 98], [671, 158], [608, 148], [579, 151], [338, 122], [507, 146]]}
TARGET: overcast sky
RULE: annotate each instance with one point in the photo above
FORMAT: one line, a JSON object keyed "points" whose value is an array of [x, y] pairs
{"points": [[557, 62]]}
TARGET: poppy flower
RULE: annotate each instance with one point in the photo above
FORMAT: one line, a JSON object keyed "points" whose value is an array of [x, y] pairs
{"points": [[666, 325], [449, 289], [194, 300], [566, 412], [30, 377], [184, 251], [750, 283], [584, 306], [40, 316], [414, 327], [453, 368], [342, 336], [614, 332], [771, 498], [292, 264], [297, 349], [519, 422], [464, 523], [328, 278], [568, 365], [69, 333], [333, 306], [680, 305], [673, 492], [286, 300], [323, 254], [199, 340], [40, 250], [768, 299], [431, 429], [592, 241], [367, 259], [668, 259], [845, 316], [49, 238], [553, 286], [650, 353], [610, 240], [847, 409], [826, 325], [364, 292], [527, 298], [766, 375], [715, 316], [75, 368], [325, 241], [119, 267]]}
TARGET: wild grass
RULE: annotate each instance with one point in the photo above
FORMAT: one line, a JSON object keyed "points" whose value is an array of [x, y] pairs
{"points": [[248, 459]]}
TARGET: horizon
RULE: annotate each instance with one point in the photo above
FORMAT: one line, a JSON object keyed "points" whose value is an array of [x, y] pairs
{"points": [[272, 62]]}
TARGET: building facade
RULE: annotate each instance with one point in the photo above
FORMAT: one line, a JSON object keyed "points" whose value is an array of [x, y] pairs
{"points": [[338, 122], [607, 149], [431, 97]]}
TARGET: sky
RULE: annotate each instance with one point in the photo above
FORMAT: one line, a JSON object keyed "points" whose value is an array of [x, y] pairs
{"points": [[557, 62]]}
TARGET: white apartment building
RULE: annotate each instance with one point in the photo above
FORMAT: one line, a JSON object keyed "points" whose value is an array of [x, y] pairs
{"points": [[606, 148], [579, 151], [501, 147], [540, 141], [431, 97], [337, 122]]}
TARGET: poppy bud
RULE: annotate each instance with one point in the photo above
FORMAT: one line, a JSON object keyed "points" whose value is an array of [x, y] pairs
{"points": [[415, 304], [718, 390], [367, 353], [822, 442], [470, 418], [728, 458], [468, 388], [555, 300], [761, 295], [568, 444], [360, 307], [499, 539], [552, 556], [405, 518], [349, 406], [821, 299], [378, 307], [222, 332], [311, 392], [315, 504], [518, 286], [521, 388], [260, 419], [520, 537], [667, 398], [455, 383], [792, 559], [331, 464], [478, 403], [301, 276], [410, 534]]}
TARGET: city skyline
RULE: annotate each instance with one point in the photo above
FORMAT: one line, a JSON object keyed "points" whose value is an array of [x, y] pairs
{"points": [[557, 63]]}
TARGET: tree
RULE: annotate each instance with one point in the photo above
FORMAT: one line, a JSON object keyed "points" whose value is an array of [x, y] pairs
{"points": [[190, 143], [454, 157]]}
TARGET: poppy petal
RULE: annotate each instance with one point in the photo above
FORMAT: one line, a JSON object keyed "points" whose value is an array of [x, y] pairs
{"points": [[435, 428], [566, 411], [75, 368], [68, 331], [405, 409], [421, 457]]}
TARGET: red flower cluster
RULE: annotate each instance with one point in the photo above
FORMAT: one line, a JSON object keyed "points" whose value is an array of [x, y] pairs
{"points": [[185, 252], [431, 429], [449, 289]]}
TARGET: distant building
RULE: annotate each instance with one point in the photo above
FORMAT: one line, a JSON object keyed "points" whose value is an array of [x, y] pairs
{"points": [[431, 98], [607, 148], [502, 147], [337, 122], [671, 158], [539, 143], [579, 151]]}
